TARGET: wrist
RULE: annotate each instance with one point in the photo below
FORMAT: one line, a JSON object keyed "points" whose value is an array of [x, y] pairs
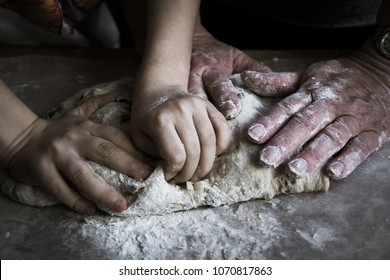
{"points": [[19, 141], [15, 117], [147, 99], [159, 75], [375, 64], [152, 91]]}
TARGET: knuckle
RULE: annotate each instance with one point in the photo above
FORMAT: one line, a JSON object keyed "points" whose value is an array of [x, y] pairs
{"points": [[314, 117], [176, 161], [80, 176], [330, 135], [305, 122], [70, 136], [285, 108], [337, 134], [56, 147], [61, 145], [106, 150], [162, 119], [86, 124]]}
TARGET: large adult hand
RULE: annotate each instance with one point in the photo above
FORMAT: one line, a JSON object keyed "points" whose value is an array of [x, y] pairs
{"points": [[186, 131], [52, 154], [213, 62], [340, 115]]}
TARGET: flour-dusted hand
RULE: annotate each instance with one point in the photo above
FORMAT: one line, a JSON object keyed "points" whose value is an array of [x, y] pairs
{"points": [[213, 62], [53, 154], [186, 131], [339, 115]]}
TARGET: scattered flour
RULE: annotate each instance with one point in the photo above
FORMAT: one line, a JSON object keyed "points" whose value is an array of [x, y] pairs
{"points": [[210, 233]]}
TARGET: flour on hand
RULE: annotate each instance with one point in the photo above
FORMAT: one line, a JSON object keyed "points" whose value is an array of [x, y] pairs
{"points": [[235, 177]]}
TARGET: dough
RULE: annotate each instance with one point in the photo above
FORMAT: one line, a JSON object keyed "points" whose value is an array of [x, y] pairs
{"points": [[236, 176]]}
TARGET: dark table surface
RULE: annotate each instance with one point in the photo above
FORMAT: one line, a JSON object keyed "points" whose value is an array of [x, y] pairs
{"points": [[350, 221]]}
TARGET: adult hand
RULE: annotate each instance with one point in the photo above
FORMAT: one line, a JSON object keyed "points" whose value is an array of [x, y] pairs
{"points": [[186, 131], [213, 62], [340, 115], [52, 154]]}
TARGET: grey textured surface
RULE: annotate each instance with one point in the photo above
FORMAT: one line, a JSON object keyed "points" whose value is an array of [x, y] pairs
{"points": [[350, 221]]}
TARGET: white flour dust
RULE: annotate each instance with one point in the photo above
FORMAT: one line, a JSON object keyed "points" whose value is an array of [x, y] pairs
{"points": [[241, 232]]}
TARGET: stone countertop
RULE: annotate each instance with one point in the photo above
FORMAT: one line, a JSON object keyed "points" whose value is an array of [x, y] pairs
{"points": [[350, 221]]}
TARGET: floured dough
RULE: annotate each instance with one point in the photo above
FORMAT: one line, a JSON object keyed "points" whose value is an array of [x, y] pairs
{"points": [[235, 177]]}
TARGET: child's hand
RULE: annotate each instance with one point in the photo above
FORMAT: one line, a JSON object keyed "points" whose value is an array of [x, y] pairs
{"points": [[52, 154], [186, 131]]}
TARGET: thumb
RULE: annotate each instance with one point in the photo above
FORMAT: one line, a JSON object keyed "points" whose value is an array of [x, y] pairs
{"points": [[272, 84], [196, 86]]}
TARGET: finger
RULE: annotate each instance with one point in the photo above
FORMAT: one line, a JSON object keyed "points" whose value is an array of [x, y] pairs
{"points": [[267, 125], [296, 133], [170, 148], [272, 83], [113, 157], [207, 140], [330, 140], [244, 62], [356, 151], [91, 185], [196, 86], [112, 148], [191, 143], [144, 142], [222, 93], [88, 107], [55, 184], [221, 129]]}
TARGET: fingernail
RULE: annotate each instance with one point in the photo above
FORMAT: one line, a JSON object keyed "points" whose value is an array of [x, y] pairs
{"points": [[271, 156], [298, 167], [120, 205], [336, 169], [257, 132], [230, 110]]}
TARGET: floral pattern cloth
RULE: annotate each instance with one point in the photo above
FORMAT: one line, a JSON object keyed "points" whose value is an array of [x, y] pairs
{"points": [[51, 15]]}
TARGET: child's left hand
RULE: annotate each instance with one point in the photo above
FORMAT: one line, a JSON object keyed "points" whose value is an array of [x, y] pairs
{"points": [[186, 131]]}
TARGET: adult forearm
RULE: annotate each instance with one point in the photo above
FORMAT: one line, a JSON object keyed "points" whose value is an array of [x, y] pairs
{"points": [[15, 118]]}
